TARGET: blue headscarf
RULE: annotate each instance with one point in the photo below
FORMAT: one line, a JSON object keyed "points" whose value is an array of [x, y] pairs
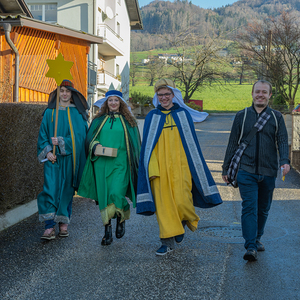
{"points": [[108, 94]]}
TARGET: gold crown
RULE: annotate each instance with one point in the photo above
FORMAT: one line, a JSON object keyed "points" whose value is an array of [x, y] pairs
{"points": [[163, 83]]}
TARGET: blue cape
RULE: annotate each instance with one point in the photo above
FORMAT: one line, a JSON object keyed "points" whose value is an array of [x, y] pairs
{"points": [[204, 190]]}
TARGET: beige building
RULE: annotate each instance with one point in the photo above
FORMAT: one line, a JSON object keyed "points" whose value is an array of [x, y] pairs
{"points": [[112, 20]]}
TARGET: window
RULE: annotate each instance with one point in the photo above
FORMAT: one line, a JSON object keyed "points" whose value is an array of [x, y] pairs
{"points": [[117, 69], [44, 12]]}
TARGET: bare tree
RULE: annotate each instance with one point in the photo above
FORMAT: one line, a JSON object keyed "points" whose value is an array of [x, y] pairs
{"points": [[274, 45], [133, 69], [242, 68], [196, 64], [155, 68]]}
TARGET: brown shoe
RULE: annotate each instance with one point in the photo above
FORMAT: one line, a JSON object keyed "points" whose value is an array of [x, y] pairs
{"points": [[49, 234], [63, 230]]}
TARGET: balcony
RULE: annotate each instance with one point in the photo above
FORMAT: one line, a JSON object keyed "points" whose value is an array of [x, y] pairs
{"points": [[112, 42], [92, 74], [105, 79]]}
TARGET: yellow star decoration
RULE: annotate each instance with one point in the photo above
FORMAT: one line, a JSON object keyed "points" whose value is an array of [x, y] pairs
{"points": [[59, 69]]}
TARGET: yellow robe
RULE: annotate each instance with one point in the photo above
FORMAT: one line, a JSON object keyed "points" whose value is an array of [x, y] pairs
{"points": [[172, 184]]}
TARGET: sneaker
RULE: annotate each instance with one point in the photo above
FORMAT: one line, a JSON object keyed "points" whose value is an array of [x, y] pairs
{"points": [[49, 234], [163, 250], [179, 238], [260, 246], [63, 232], [250, 255]]}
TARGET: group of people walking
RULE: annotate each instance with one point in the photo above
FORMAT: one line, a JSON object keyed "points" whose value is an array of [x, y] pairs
{"points": [[165, 175]]}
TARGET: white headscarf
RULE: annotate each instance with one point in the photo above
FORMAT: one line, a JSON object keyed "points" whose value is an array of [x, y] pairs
{"points": [[197, 116]]}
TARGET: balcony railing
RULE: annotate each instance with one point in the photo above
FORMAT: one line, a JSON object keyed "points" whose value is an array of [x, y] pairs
{"points": [[92, 74], [112, 42], [105, 78], [105, 31]]}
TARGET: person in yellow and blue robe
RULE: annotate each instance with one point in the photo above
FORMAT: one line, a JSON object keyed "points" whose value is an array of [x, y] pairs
{"points": [[112, 180], [62, 171], [173, 177]]}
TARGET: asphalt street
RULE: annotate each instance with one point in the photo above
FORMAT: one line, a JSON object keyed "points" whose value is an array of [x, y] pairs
{"points": [[207, 265]]}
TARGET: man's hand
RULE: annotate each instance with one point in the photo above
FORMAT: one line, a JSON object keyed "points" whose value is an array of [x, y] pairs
{"points": [[225, 178], [51, 157], [286, 169], [54, 141]]}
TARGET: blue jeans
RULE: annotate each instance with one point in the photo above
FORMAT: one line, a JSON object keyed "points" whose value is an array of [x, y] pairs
{"points": [[256, 192], [52, 223]]}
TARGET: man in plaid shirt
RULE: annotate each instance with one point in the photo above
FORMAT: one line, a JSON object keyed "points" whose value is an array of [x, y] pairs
{"points": [[258, 165]]}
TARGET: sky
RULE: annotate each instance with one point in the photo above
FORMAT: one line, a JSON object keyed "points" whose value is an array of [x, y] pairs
{"points": [[201, 3]]}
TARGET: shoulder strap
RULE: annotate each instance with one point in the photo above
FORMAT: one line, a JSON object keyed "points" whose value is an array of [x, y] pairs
{"points": [[234, 164], [242, 131], [258, 126], [276, 122]]}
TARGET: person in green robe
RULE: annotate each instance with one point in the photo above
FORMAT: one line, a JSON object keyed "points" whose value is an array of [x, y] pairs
{"points": [[62, 171], [112, 180]]}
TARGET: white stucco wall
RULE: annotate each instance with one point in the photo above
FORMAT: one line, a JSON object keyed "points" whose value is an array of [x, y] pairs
{"points": [[120, 15], [123, 19], [76, 14]]}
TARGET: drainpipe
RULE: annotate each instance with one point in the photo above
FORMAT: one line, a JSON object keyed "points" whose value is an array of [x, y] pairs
{"points": [[95, 53], [7, 29]]}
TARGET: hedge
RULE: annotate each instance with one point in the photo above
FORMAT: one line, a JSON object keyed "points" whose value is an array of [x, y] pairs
{"points": [[21, 175]]}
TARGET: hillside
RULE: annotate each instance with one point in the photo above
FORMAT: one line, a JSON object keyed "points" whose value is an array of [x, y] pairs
{"points": [[165, 17]]}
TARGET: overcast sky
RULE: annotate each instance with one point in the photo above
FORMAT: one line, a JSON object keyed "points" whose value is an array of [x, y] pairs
{"points": [[201, 3]]}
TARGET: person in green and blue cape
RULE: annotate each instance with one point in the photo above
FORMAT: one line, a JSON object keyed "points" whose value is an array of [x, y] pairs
{"points": [[109, 180], [62, 171]]}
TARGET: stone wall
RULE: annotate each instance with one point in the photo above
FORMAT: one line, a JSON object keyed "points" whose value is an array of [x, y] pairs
{"points": [[21, 176]]}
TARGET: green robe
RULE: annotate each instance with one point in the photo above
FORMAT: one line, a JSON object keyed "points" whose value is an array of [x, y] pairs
{"points": [[62, 178], [108, 180]]}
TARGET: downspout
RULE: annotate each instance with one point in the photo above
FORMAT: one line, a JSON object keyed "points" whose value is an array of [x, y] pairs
{"points": [[95, 54], [95, 51], [7, 29]]}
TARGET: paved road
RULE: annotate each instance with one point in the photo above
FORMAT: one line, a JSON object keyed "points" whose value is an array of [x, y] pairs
{"points": [[208, 265]]}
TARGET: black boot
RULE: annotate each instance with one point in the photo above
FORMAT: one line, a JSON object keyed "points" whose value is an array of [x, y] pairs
{"points": [[107, 239], [120, 229]]}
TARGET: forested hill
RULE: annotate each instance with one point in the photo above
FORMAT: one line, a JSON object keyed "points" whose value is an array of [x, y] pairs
{"points": [[165, 17]]}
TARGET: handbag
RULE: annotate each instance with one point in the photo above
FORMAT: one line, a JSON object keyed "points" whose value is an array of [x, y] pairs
{"points": [[235, 161]]}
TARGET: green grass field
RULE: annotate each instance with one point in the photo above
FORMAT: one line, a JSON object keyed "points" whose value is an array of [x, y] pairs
{"points": [[229, 98]]}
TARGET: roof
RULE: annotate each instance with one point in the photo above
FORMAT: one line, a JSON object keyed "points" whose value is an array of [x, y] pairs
{"points": [[134, 14], [15, 7], [19, 20]]}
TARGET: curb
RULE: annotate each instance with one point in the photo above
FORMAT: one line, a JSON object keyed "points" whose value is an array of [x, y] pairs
{"points": [[18, 214]]}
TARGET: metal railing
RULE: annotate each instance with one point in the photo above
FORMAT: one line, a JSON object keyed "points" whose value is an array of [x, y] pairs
{"points": [[102, 74], [92, 73], [102, 30]]}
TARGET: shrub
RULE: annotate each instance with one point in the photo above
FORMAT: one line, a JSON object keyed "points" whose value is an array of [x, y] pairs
{"points": [[21, 176], [194, 106], [279, 103], [139, 98]]}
